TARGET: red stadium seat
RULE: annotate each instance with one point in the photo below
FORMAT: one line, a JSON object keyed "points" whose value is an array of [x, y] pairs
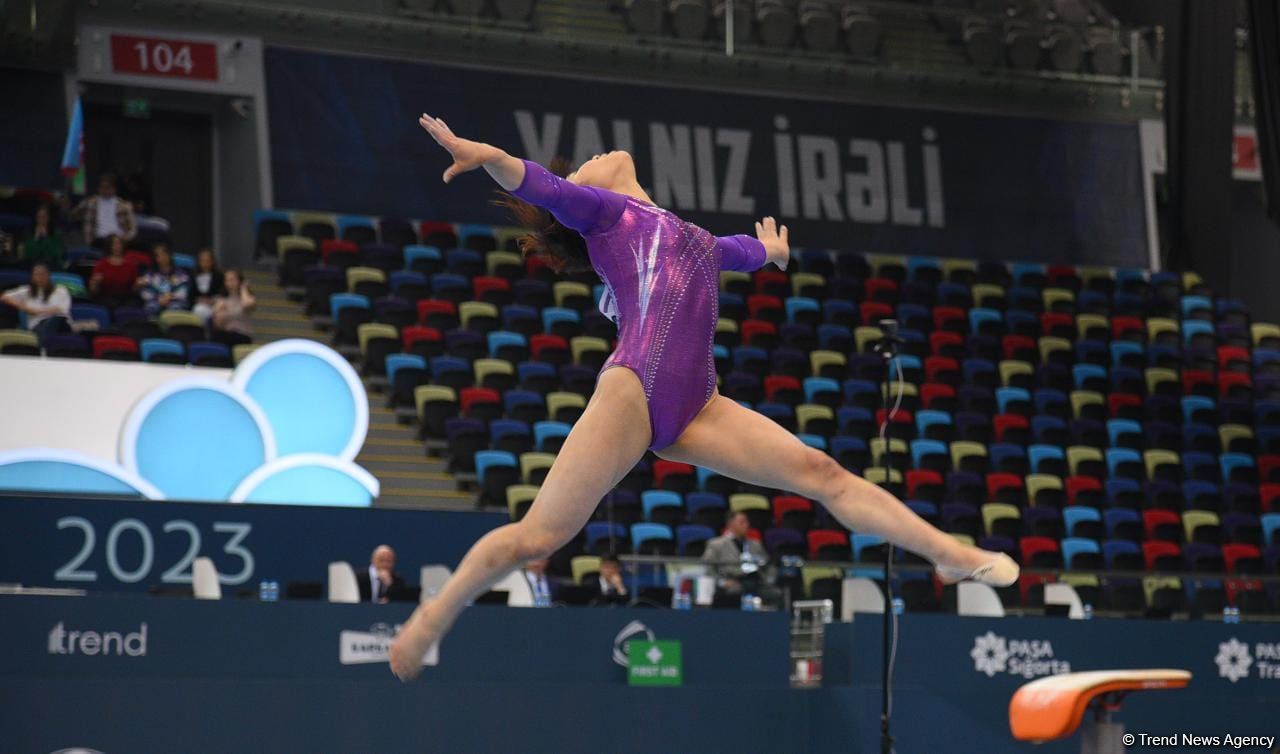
{"points": [[1153, 550], [752, 328], [471, 396], [1019, 347], [932, 391], [820, 538], [484, 285], [917, 478], [880, 289], [775, 382], [333, 246], [1004, 422], [941, 341], [784, 504], [871, 312], [1079, 484], [663, 468], [114, 346]]}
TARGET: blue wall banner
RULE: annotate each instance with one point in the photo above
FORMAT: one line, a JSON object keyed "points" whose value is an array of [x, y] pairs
{"points": [[345, 138], [959, 674], [129, 674], [126, 545]]}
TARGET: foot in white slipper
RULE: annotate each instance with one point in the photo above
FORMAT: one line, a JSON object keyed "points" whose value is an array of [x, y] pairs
{"points": [[998, 571]]}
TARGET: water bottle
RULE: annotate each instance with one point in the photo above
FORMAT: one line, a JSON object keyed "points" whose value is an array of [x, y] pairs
{"points": [[1230, 614], [264, 591], [898, 606], [748, 602], [275, 591], [1088, 611], [684, 595]]}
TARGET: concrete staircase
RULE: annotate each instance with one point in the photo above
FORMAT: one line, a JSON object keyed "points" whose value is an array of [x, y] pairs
{"points": [[391, 452]]}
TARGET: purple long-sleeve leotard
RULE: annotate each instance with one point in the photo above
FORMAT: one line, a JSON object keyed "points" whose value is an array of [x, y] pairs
{"points": [[662, 278]]}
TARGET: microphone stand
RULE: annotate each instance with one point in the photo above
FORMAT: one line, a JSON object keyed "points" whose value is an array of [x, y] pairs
{"points": [[887, 348]]}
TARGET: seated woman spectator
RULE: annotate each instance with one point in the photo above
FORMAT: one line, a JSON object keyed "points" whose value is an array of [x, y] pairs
{"points": [[114, 280], [48, 306], [231, 312], [165, 286], [207, 284], [43, 244]]}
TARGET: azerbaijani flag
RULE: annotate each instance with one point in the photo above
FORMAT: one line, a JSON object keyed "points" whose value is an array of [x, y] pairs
{"points": [[73, 152]]}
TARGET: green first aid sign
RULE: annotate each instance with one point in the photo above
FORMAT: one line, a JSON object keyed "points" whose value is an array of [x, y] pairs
{"points": [[654, 663]]}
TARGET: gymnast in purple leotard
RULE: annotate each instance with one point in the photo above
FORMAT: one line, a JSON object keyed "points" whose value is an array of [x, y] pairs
{"points": [[661, 276]]}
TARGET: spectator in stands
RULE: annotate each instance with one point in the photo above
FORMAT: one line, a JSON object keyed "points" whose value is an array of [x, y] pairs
{"points": [[609, 588], [231, 312], [105, 215], [207, 284], [736, 557], [114, 278], [165, 286], [380, 582], [48, 305], [545, 589], [43, 244]]}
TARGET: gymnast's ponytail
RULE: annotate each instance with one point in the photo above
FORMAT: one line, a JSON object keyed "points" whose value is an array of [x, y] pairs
{"points": [[561, 247]]}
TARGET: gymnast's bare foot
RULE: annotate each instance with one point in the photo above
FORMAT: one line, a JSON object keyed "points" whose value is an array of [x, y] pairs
{"points": [[993, 569], [411, 644]]}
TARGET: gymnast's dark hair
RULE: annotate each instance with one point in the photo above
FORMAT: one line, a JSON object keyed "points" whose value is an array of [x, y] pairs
{"points": [[561, 247]]}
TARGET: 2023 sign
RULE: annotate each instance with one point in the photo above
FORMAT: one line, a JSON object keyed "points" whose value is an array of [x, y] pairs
{"points": [[133, 539]]}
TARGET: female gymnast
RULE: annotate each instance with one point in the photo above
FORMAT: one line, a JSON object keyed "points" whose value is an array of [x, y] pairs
{"points": [[662, 285]]}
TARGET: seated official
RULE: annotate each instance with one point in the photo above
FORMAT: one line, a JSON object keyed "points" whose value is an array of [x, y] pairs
{"points": [[608, 587], [380, 583]]}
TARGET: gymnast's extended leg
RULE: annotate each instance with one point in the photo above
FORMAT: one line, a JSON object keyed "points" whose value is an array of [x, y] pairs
{"points": [[604, 444], [745, 445]]}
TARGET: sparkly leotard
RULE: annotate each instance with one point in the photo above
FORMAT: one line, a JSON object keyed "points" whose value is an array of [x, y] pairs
{"points": [[661, 276]]}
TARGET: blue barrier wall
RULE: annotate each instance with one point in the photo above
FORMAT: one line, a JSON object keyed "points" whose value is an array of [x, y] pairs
{"points": [[123, 673], [958, 674], [241, 676], [123, 545], [345, 138]]}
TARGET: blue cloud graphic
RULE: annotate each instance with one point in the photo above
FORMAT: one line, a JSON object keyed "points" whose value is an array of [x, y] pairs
{"points": [[284, 429]]}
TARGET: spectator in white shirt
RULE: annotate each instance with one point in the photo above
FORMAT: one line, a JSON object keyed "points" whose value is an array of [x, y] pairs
{"points": [[545, 590], [48, 306], [105, 215]]}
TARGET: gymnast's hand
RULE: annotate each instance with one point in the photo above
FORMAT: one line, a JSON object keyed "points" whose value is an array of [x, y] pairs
{"points": [[774, 238], [467, 155]]}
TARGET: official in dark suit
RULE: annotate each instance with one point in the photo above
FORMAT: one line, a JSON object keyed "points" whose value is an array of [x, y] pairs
{"points": [[608, 588], [380, 582]]}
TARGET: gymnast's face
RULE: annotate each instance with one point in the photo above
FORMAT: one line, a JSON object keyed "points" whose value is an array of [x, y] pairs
{"points": [[611, 171]]}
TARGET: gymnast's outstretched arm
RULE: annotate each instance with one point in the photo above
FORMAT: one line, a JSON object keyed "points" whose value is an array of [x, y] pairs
{"points": [[746, 254], [586, 209]]}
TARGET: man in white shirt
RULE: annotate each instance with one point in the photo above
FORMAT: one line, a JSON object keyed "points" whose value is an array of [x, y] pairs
{"points": [[105, 215], [544, 589]]}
